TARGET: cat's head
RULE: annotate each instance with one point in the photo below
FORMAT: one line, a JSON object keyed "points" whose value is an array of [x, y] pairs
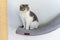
{"points": [[24, 7]]}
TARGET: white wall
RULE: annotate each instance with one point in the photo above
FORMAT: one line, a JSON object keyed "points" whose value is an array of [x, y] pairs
{"points": [[45, 9], [41, 7]]}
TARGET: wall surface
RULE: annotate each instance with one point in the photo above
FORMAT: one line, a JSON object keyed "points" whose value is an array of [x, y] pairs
{"points": [[46, 10]]}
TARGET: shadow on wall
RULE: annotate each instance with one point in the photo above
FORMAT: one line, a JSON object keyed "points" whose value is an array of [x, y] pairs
{"points": [[43, 29]]}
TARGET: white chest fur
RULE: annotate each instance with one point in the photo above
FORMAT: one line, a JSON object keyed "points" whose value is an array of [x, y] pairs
{"points": [[25, 15]]}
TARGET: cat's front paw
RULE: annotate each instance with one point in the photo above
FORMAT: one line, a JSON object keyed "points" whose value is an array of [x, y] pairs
{"points": [[27, 28], [31, 28]]}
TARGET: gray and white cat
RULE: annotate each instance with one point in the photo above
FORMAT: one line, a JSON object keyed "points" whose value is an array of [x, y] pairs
{"points": [[29, 19]]}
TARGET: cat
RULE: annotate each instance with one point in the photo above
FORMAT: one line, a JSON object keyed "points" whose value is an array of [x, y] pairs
{"points": [[29, 19]]}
